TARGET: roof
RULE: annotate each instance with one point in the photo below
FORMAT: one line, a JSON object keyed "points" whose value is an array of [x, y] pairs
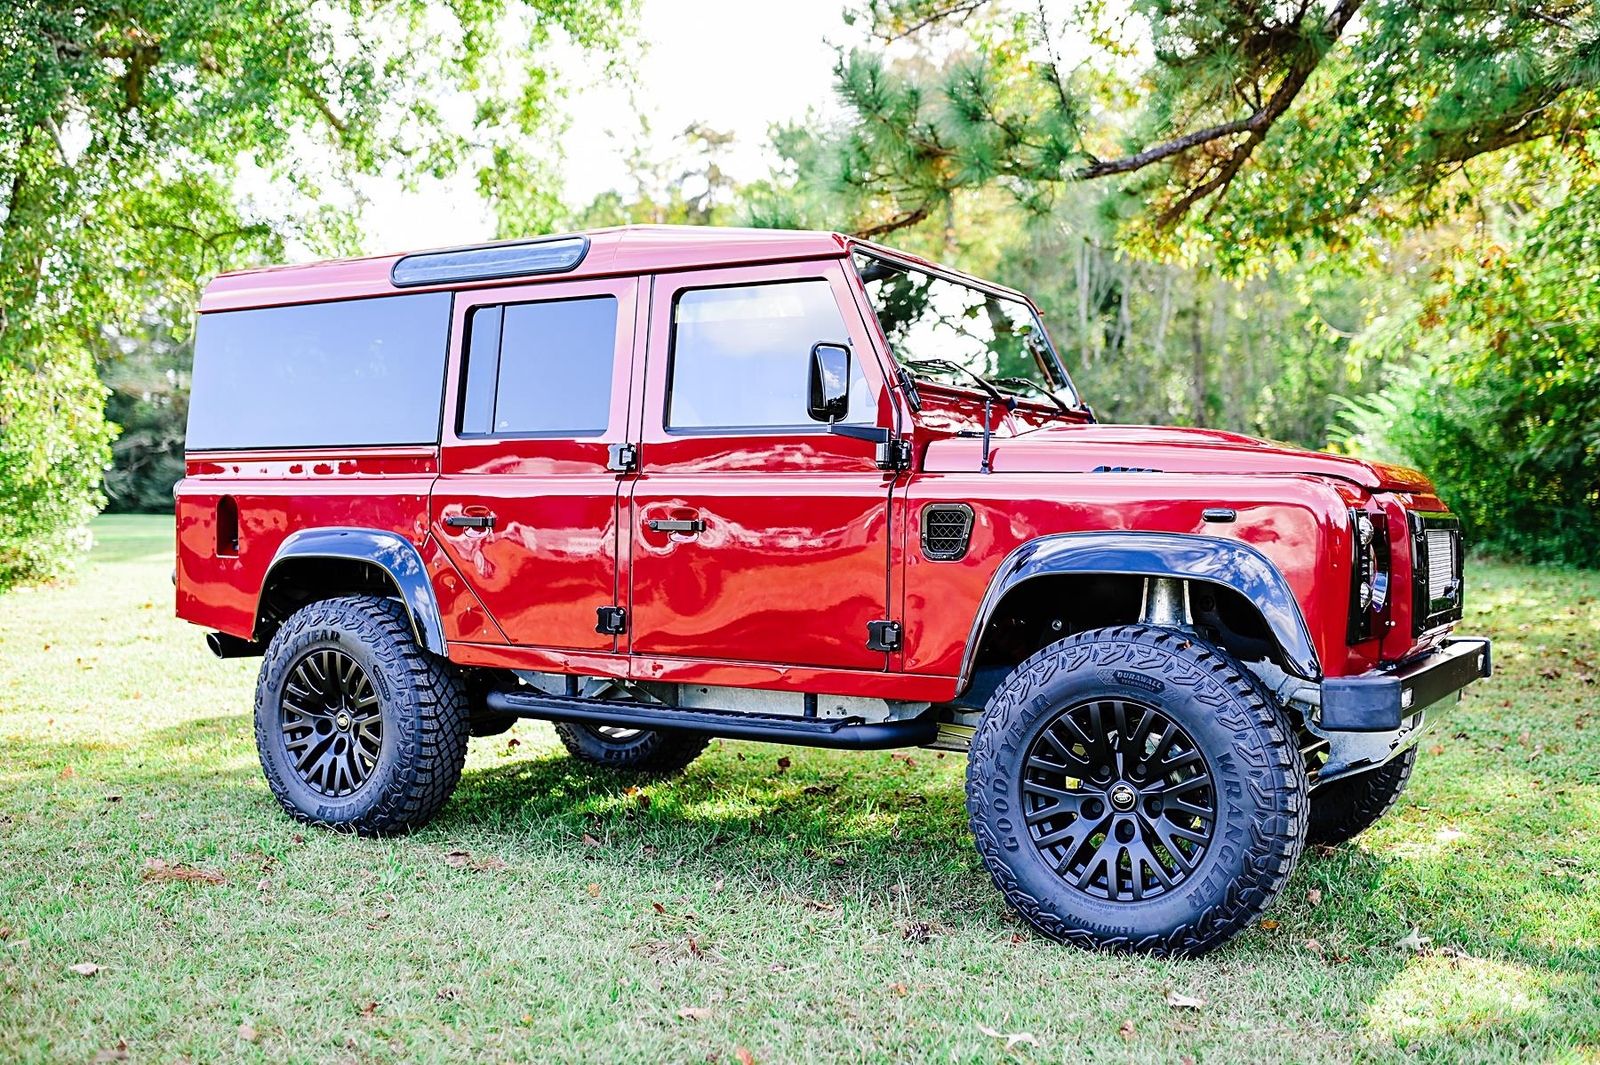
{"points": [[619, 250]]}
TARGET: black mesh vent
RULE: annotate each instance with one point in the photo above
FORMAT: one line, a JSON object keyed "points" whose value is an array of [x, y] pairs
{"points": [[946, 528]]}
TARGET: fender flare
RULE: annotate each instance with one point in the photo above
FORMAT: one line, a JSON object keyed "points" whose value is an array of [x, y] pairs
{"points": [[390, 552], [1156, 554]]}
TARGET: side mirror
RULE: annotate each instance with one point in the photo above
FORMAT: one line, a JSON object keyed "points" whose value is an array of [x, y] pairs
{"points": [[830, 382]]}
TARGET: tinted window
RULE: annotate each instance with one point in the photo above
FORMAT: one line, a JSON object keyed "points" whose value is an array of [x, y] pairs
{"points": [[540, 367], [930, 320], [741, 357], [328, 374]]}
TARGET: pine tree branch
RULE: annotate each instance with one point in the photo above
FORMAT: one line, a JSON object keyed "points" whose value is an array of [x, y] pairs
{"points": [[910, 218], [956, 12], [1254, 125]]}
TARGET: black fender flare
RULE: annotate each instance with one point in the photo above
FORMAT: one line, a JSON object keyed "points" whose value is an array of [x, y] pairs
{"points": [[390, 552], [1157, 554]]}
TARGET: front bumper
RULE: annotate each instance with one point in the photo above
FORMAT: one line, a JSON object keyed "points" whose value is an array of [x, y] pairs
{"points": [[1368, 720]]}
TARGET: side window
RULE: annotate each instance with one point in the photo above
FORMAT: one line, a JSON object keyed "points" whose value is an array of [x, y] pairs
{"points": [[539, 368], [741, 356]]}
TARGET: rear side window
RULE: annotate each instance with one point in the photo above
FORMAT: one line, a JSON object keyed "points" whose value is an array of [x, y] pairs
{"points": [[540, 368], [321, 374], [741, 357]]}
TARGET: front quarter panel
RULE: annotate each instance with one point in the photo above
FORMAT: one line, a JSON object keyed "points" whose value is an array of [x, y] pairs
{"points": [[1299, 525]]}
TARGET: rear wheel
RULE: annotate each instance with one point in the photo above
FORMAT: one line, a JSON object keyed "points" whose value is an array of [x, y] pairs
{"points": [[358, 727], [1343, 809], [1131, 788], [660, 752]]}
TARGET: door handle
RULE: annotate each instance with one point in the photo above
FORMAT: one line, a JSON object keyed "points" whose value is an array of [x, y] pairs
{"points": [[470, 521], [692, 525]]}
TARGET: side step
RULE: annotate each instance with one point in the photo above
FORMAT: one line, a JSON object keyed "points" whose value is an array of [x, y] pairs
{"points": [[849, 733]]}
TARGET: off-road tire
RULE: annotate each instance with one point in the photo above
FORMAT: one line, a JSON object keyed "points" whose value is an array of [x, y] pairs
{"points": [[1343, 809], [422, 709], [1259, 788], [655, 752]]}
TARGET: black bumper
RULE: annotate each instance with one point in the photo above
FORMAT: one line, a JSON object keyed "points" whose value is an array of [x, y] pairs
{"points": [[1379, 702]]}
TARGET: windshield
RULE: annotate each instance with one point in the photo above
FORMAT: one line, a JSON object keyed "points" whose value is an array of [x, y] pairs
{"points": [[931, 320]]}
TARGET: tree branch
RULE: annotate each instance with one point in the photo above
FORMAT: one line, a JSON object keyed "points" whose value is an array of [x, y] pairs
{"points": [[910, 218], [951, 11]]}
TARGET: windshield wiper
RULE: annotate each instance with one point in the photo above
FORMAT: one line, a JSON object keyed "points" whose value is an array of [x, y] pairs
{"points": [[1034, 386], [955, 367]]}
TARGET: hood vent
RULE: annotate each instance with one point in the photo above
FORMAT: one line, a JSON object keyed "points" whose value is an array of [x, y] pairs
{"points": [[946, 530]]}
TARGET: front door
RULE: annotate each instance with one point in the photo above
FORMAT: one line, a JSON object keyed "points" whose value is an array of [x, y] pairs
{"points": [[526, 505], [758, 536]]}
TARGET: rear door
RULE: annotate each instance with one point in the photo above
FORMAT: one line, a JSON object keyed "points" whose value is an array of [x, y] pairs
{"points": [[526, 504], [758, 536]]}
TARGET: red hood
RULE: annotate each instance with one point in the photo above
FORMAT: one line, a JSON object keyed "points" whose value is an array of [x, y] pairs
{"points": [[1086, 448]]}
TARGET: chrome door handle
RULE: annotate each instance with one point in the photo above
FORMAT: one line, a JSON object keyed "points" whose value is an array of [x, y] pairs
{"points": [[470, 521], [693, 525]]}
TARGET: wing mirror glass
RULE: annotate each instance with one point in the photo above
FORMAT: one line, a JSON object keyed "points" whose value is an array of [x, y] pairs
{"points": [[830, 382]]}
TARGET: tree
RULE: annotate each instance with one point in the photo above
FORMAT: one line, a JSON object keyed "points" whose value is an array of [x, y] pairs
{"points": [[1254, 125], [129, 133]]}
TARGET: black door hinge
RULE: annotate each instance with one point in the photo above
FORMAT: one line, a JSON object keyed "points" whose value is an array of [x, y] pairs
{"points": [[612, 620], [622, 457], [883, 636], [894, 454]]}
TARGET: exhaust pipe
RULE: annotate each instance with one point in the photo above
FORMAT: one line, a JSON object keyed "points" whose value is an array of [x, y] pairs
{"points": [[224, 646]]}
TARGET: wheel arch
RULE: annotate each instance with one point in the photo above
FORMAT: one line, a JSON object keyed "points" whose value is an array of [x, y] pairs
{"points": [[316, 564], [1078, 560]]}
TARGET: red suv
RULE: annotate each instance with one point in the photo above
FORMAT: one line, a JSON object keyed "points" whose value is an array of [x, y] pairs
{"points": [[658, 485]]}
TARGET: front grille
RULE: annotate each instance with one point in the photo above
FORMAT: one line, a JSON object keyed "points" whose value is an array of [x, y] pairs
{"points": [[946, 528], [1436, 585], [1442, 568]]}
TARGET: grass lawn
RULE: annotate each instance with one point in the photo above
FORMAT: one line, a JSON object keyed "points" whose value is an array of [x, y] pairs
{"points": [[786, 905]]}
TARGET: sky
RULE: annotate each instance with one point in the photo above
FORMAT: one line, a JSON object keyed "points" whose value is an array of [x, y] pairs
{"points": [[736, 65]]}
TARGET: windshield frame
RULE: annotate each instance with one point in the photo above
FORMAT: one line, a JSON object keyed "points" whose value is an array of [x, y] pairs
{"points": [[1064, 389]]}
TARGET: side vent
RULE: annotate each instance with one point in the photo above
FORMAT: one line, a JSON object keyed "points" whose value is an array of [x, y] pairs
{"points": [[946, 529]]}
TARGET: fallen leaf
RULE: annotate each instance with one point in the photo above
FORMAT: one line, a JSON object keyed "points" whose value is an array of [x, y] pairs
{"points": [[1313, 946], [820, 907], [662, 910], [1436, 750], [590, 841], [164, 872], [1269, 924], [247, 1033], [1127, 1031], [1314, 896], [744, 1056], [458, 859], [113, 798], [67, 774], [116, 1053], [1011, 1038], [447, 994], [694, 1013], [917, 932], [1416, 942], [84, 968], [784, 763], [594, 890], [1179, 1001], [820, 789], [513, 742], [899, 989], [369, 1009], [5, 931]]}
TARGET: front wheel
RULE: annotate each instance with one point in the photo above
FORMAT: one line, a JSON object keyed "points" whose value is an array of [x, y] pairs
{"points": [[357, 725], [1131, 788]]}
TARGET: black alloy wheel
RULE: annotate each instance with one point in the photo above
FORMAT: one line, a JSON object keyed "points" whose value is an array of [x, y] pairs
{"points": [[1135, 788], [331, 724], [1118, 799]]}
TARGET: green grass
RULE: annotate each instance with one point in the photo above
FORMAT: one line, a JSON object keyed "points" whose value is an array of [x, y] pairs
{"points": [[780, 900]]}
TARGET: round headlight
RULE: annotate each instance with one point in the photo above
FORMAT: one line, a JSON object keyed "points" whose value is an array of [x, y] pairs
{"points": [[1364, 529]]}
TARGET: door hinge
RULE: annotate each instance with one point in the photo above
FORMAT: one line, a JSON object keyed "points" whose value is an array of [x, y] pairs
{"points": [[883, 636], [894, 454], [612, 620], [622, 457]]}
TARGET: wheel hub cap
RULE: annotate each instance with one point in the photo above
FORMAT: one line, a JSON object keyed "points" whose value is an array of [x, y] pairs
{"points": [[1118, 800], [330, 723]]}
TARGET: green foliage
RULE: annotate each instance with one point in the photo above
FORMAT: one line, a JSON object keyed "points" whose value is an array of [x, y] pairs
{"points": [[131, 134], [1502, 401]]}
